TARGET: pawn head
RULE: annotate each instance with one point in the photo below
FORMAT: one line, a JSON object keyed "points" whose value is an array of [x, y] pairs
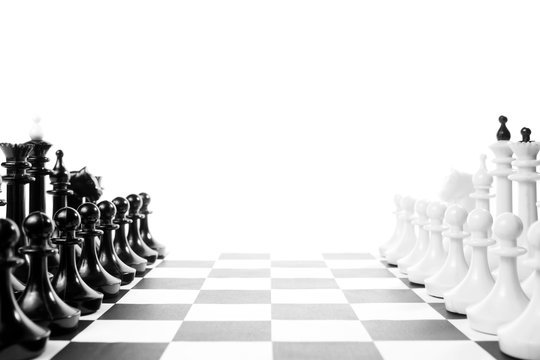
{"points": [[435, 210], [37, 225], [121, 204], [67, 219], [503, 119], [9, 234], [107, 209], [534, 236], [525, 134], [479, 220], [89, 213], [397, 200], [145, 198], [507, 226], [455, 215], [421, 207], [135, 203]]}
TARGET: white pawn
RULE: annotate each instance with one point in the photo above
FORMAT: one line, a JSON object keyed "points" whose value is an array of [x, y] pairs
{"points": [[528, 284], [455, 267], [435, 254], [478, 282], [521, 337], [482, 181], [422, 242], [397, 229], [506, 301], [407, 239]]}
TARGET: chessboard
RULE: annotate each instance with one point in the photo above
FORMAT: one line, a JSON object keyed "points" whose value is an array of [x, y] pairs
{"points": [[261, 306]]}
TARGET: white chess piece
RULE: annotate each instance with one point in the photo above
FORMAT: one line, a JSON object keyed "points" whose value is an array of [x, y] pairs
{"points": [[521, 337], [435, 254], [526, 177], [422, 241], [506, 301], [503, 168], [408, 238], [455, 267], [36, 132], [482, 181], [529, 283], [397, 229], [478, 282]]}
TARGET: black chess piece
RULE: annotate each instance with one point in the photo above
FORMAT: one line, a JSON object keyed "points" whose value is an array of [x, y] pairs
{"points": [[146, 235], [91, 270], [67, 282], [59, 180], [20, 337], [39, 301], [134, 236], [525, 135], [38, 159], [18, 286], [107, 254], [503, 133], [121, 245], [85, 187], [16, 179], [60, 183]]}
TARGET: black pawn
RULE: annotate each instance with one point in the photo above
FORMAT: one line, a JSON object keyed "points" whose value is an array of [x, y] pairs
{"points": [[146, 235], [121, 245], [20, 338], [134, 236], [503, 133], [525, 135], [107, 254], [39, 301], [91, 270], [68, 282]]}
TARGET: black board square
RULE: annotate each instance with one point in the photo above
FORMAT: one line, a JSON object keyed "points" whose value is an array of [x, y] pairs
{"points": [[83, 324], [441, 309], [325, 351], [111, 351], [382, 296], [413, 330], [146, 312], [170, 283]]}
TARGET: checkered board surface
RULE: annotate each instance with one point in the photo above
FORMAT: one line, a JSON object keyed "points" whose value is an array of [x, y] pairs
{"points": [[262, 306]]}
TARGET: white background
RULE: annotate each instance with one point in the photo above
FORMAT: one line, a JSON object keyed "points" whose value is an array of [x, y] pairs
{"points": [[269, 125]]}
